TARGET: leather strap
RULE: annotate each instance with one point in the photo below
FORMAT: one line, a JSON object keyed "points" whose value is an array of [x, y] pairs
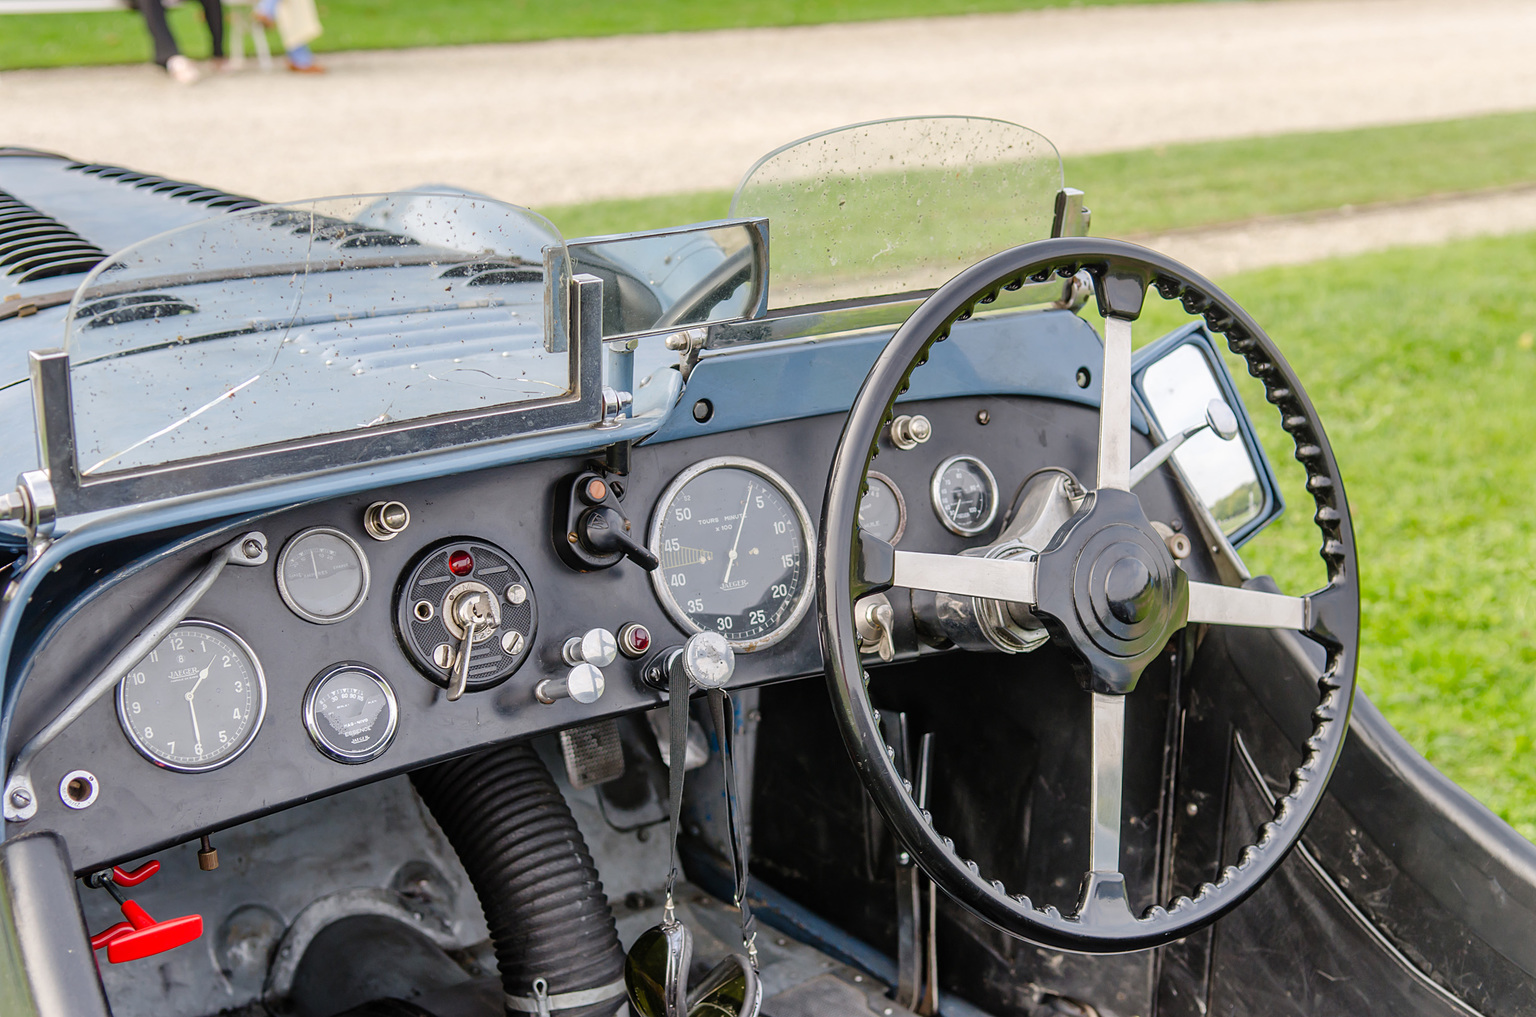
{"points": [[723, 713], [677, 730]]}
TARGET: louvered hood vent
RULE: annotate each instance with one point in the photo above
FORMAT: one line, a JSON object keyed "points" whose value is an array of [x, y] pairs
{"points": [[34, 245], [194, 194]]}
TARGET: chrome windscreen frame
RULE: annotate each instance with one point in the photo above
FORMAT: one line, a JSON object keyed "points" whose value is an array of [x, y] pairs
{"points": [[75, 494]]}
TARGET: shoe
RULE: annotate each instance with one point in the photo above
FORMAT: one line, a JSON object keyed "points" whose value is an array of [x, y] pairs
{"points": [[313, 68], [182, 70], [262, 18]]}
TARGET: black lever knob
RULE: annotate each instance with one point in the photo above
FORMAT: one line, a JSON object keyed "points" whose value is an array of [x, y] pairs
{"points": [[603, 531]]}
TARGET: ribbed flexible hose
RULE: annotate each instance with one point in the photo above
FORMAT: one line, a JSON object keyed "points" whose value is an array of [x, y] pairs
{"points": [[531, 869]]}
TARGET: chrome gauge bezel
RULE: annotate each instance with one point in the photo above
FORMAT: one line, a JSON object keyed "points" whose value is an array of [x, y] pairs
{"points": [[250, 736], [287, 595], [937, 502], [807, 537], [901, 504], [391, 703]]}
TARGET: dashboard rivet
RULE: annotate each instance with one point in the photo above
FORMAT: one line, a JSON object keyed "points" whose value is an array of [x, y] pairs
{"points": [[703, 410], [21, 798], [983, 417], [443, 656], [512, 643], [1084, 377], [517, 593], [423, 610], [252, 548]]}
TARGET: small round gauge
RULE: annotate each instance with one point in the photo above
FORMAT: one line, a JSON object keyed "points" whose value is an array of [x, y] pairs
{"points": [[882, 510], [351, 713], [196, 701], [964, 495], [734, 542], [322, 575]]}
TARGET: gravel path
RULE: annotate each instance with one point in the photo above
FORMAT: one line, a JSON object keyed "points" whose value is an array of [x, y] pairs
{"points": [[573, 120], [570, 120]]}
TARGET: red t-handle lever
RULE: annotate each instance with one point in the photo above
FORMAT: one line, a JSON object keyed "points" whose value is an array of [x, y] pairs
{"points": [[123, 877], [148, 937], [142, 936]]}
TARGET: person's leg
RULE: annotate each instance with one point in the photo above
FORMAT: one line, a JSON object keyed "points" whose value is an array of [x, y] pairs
{"points": [[302, 59], [213, 12], [159, 31]]}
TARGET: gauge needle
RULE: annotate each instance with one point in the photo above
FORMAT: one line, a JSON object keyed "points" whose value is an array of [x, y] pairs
{"points": [[741, 524], [197, 736]]}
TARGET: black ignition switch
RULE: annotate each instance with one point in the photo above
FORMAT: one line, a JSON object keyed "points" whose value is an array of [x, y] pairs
{"points": [[591, 530]]}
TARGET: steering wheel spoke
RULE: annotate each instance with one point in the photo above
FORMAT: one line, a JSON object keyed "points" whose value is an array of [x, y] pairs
{"points": [[1105, 782], [1115, 406], [1007, 579], [1213, 604]]}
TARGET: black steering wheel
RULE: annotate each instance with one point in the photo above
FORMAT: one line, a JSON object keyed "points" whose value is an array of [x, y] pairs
{"points": [[1105, 586]]}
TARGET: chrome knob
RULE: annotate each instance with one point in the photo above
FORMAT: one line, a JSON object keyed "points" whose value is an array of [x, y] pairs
{"points": [[908, 432], [583, 683], [597, 647], [706, 660]]}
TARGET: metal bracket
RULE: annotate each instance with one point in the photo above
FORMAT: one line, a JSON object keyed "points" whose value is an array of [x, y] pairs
{"points": [[1072, 219], [20, 802]]}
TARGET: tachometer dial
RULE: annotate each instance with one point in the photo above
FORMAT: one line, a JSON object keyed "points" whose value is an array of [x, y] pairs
{"points": [[882, 510], [322, 575], [197, 700], [734, 542], [964, 495]]}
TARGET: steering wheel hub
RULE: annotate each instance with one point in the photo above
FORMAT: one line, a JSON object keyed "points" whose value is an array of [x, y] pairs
{"points": [[1110, 592]]}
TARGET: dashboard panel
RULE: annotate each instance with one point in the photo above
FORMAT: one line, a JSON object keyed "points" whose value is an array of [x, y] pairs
{"points": [[140, 806]]}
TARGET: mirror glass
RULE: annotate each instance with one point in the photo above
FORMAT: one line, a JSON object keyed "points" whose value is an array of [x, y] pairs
{"points": [[675, 278], [1178, 388]]}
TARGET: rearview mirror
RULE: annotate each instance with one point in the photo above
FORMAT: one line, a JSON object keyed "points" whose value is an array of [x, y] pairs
{"points": [[710, 273], [1202, 427]]}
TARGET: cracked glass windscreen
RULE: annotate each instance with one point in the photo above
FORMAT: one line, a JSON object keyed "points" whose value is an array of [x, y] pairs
{"points": [[897, 206], [321, 317]]}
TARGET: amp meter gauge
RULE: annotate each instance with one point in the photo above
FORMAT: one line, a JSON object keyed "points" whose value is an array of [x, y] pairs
{"points": [[734, 542]]}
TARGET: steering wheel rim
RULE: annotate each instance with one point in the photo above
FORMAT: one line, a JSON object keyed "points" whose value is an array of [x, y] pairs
{"points": [[850, 565]]}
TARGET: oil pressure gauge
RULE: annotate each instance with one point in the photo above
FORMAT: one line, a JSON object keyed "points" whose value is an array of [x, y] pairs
{"points": [[964, 495], [350, 713]]}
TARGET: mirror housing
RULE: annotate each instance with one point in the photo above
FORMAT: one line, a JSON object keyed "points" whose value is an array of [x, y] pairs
{"points": [[1178, 378], [659, 281]]}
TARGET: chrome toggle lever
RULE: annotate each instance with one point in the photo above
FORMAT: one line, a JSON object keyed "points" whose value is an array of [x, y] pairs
{"points": [[1218, 417], [478, 615]]}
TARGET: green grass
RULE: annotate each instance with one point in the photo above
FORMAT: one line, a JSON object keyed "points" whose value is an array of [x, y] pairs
{"points": [[1421, 364], [1212, 182], [58, 40]]}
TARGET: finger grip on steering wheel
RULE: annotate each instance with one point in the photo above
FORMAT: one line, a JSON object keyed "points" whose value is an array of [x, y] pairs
{"points": [[1105, 586]]}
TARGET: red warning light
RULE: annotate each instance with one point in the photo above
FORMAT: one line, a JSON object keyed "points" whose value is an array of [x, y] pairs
{"points": [[460, 563]]}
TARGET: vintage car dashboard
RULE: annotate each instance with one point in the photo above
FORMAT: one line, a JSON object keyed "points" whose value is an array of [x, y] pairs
{"points": [[329, 665]]}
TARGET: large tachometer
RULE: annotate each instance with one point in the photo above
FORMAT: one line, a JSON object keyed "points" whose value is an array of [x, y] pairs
{"points": [[732, 537]]}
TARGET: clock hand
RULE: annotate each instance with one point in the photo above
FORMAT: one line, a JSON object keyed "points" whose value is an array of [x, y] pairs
{"points": [[197, 736], [201, 675], [741, 524]]}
